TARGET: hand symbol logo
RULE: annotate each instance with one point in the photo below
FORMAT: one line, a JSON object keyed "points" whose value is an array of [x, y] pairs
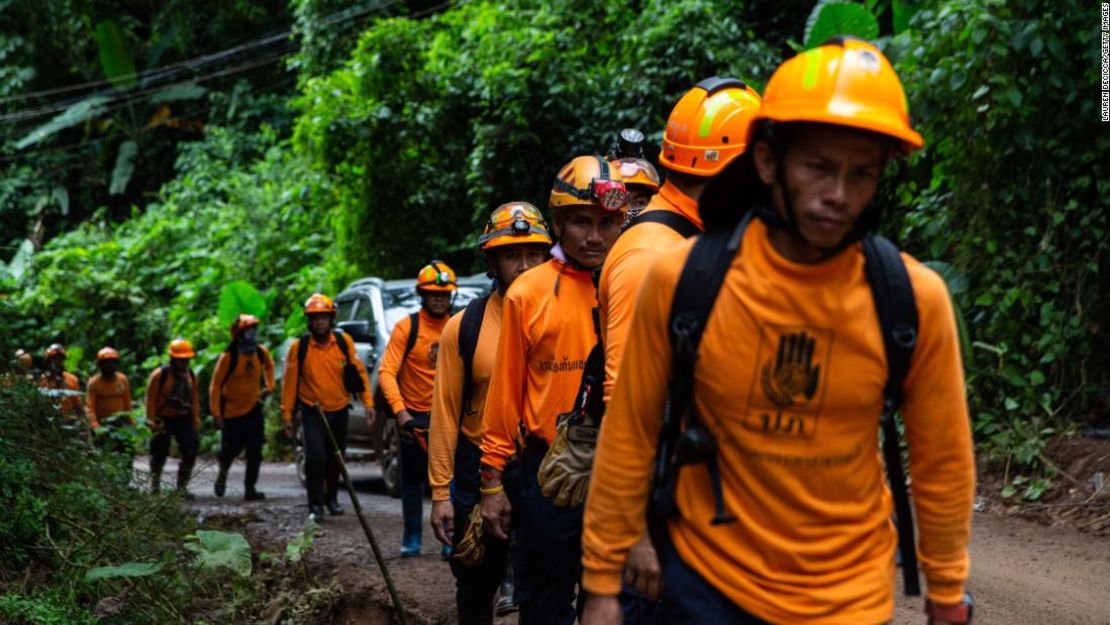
{"points": [[793, 371]]}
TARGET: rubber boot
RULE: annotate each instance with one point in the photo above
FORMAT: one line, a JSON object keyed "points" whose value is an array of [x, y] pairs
{"points": [[184, 473], [220, 487], [410, 542], [252, 478], [155, 480], [505, 603]]}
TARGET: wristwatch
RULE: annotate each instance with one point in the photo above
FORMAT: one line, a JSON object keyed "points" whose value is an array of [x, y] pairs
{"points": [[959, 613]]}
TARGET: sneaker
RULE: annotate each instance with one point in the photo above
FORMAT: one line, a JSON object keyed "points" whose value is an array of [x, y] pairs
{"points": [[505, 606], [220, 487], [254, 495], [410, 550], [316, 513], [335, 508]]}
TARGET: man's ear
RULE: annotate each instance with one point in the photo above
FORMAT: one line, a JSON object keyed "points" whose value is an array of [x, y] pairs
{"points": [[765, 162]]}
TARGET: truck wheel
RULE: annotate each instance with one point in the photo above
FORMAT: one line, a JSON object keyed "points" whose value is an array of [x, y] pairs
{"points": [[391, 458], [298, 456]]}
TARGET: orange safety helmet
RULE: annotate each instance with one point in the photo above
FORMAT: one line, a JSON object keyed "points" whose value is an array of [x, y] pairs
{"points": [[589, 181], [242, 322], [319, 303], [107, 353], [709, 126], [844, 82], [181, 348], [514, 223], [436, 276], [636, 171], [55, 349]]}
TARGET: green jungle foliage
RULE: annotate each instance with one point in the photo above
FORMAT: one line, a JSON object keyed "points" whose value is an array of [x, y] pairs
{"points": [[372, 161]]}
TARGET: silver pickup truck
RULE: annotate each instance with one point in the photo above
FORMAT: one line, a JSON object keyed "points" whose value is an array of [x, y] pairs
{"points": [[367, 310]]}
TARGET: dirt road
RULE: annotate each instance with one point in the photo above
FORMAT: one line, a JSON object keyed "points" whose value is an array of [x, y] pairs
{"points": [[1022, 574]]}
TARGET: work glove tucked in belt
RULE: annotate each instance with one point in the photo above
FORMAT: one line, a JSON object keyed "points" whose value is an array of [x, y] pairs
{"points": [[472, 546], [564, 473]]}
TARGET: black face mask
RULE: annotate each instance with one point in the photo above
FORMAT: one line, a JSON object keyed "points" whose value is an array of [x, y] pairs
{"points": [[247, 341]]}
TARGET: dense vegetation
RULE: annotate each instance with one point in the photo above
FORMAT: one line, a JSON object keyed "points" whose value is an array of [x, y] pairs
{"points": [[366, 141]]}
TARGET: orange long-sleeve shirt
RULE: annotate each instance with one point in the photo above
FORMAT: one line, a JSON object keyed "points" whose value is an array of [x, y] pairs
{"points": [[547, 331], [799, 451], [69, 405], [104, 397], [408, 384], [235, 396], [443, 436], [322, 382], [625, 267], [158, 397]]}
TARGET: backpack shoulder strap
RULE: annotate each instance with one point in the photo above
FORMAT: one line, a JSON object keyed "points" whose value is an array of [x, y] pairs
{"points": [[897, 311], [469, 329], [414, 331], [341, 340], [302, 353], [671, 219]]}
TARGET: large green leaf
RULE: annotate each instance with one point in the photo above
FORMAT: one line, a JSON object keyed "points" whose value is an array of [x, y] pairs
{"points": [[130, 569], [240, 297], [302, 542], [78, 113], [115, 58], [830, 19], [180, 91], [22, 258], [228, 550], [903, 11], [125, 166]]}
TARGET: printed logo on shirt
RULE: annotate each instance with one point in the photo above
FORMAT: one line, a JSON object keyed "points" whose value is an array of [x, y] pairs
{"points": [[566, 365], [250, 365], [789, 387]]}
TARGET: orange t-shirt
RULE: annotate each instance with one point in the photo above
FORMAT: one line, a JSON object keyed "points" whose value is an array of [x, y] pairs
{"points": [[790, 380], [104, 398], [408, 384], [68, 405], [236, 396], [322, 382], [443, 437], [159, 392], [547, 331], [625, 267]]}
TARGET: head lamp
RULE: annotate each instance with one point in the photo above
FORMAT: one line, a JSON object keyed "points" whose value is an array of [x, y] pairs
{"points": [[611, 194]]}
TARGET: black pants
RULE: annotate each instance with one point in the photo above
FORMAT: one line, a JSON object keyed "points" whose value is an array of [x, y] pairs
{"points": [[414, 476], [475, 586], [181, 430], [244, 432], [321, 468], [690, 600], [547, 562]]}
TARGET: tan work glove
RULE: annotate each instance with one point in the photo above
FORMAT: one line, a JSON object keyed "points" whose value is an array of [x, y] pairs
{"points": [[472, 546], [564, 473]]}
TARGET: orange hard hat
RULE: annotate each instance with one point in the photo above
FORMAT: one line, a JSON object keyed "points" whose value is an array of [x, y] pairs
{"points": [[55, 349], [636, 171], [23, 358], [589, 181], [709, 126], [319, 303], [436, 276], [514, 223], [242, 322], [181, 348], [107, 353], [845, 82]]}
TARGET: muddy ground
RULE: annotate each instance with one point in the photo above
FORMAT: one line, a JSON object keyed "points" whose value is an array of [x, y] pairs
{"points": [[1023, 573]]}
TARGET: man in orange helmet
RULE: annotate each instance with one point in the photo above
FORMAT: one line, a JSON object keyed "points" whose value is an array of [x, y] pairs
{"points": [[322, 372], [22, 363], [243, 378], [515, 240], [406, 377], [108, 393], [63, 385], [547, 333], [706, 130], [173, 411], [808, 331]]}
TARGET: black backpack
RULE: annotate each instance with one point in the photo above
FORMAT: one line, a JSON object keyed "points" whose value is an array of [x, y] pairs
{"points": [[469, 328], [684, 439], [165, 372], [414, 329], [672, 220]]}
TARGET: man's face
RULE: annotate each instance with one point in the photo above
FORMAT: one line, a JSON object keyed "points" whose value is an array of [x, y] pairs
{"points": [[831, 175], [108, 367], [512, 260], [437, 303], [179, 365], [587, 232], [320, 324], [638, 198], [56, 363]]}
